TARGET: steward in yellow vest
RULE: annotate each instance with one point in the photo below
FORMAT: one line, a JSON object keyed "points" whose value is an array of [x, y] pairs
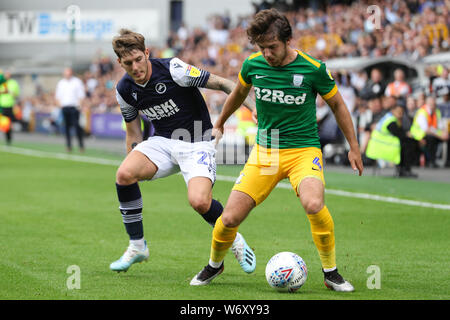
{"points": [[389, 142], [429, 129], [9, 92]]}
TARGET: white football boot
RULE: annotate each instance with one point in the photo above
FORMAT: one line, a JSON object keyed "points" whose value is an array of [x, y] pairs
{"points": [[132, 255], [334, 281]]}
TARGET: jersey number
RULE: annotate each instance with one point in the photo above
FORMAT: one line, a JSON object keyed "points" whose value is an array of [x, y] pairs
{"points": [[202, 158]]}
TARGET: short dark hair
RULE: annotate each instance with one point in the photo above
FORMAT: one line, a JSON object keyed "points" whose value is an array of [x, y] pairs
{"points": [[128, 41], [269, 24]]}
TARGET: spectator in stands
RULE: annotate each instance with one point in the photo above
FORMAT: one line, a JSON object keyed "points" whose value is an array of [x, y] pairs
{"points": [[441, 85], [105, 65], [429, 129], [363, 117], [410, 111], [375, 87], [388, 102], [91, 83], [347, 91], [398, 88], [434, 29], [376, 112], [420, 100], [358, 80]]}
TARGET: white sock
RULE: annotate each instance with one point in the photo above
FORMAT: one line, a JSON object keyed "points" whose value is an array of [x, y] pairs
{"points": [[215, 265], [329, 270], [139, 243], [238, 236]]}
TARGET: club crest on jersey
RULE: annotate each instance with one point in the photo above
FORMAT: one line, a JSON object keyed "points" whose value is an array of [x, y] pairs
{"points": [[297, 80], [134, 95], [160, 88]]}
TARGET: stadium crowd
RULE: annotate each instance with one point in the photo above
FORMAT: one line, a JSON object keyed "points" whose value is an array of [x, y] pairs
{"points": [[404, 29]]}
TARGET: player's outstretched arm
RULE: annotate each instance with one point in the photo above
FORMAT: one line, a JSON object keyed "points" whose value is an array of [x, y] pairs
{"points": [[133, 133], [345, 123], [216, 82], [232, 103]]}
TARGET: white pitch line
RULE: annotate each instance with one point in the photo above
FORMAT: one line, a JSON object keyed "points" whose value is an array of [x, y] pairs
{"points": [[60, 156], [342, 193]]}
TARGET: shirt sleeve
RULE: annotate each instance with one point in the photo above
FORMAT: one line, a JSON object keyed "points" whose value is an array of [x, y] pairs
{"points": [[186, 75], [129, 113], [324, 83], [244, 79]]}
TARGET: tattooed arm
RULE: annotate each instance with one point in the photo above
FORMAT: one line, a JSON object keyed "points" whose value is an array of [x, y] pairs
{"points": [[218, 83]]}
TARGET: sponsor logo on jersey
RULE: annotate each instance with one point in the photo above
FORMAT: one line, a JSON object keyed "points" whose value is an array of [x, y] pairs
{"points": [[269, 95], [160, 88], [163, 110], [192, 71], [259, 76], [297, 80]]}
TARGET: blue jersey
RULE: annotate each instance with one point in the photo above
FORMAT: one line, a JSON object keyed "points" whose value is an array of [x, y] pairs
{"points": [[170, 99]]}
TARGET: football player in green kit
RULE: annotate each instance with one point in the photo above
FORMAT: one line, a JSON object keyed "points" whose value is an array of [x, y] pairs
{"points": [[286, 83]]}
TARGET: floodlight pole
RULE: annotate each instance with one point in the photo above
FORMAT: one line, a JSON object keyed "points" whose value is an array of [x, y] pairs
{"points": [[72, 23], [72, 46]]}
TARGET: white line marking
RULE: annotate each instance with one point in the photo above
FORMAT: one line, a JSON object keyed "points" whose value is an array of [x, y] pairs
{"points": [[342, 193], [60, 156]]}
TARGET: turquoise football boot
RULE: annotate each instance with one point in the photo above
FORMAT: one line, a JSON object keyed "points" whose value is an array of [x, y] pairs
{"points": [[131, 255], [244, 254]]}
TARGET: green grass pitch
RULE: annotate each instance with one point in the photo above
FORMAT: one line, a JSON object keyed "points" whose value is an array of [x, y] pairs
{"points": [[56, 213]]}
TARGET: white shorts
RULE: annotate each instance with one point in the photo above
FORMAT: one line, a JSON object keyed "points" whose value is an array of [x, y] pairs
{"points": [[196, 159]]}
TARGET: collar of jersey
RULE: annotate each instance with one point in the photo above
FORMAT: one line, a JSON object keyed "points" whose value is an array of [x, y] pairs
{"points": [[143, 85]]}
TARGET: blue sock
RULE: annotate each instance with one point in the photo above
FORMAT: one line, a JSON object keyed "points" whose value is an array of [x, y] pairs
{"points": [[213, 213], [130, 201]]}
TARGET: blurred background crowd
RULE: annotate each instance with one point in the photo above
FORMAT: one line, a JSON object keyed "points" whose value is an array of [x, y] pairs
{"points": [[407, 30]]}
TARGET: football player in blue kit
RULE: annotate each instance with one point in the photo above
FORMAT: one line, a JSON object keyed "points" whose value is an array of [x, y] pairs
{"points": [[166, 91]]}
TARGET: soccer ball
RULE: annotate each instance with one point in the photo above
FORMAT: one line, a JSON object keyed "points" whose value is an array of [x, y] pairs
{"points": [[286, 272]]}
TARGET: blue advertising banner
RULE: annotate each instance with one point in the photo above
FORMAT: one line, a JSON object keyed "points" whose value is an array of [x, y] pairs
{"points": [[107, 125]]}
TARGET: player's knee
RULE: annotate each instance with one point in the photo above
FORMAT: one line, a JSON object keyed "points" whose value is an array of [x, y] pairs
{"points": [[230, 221], [125, 177], [312, 205], [200, 204]]}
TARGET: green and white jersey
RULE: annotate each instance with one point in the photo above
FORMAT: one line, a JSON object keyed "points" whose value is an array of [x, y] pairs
{"points": [[286, 99]]}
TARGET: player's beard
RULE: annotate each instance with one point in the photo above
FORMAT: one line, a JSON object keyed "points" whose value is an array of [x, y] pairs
{"points": [[279, 59]]}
